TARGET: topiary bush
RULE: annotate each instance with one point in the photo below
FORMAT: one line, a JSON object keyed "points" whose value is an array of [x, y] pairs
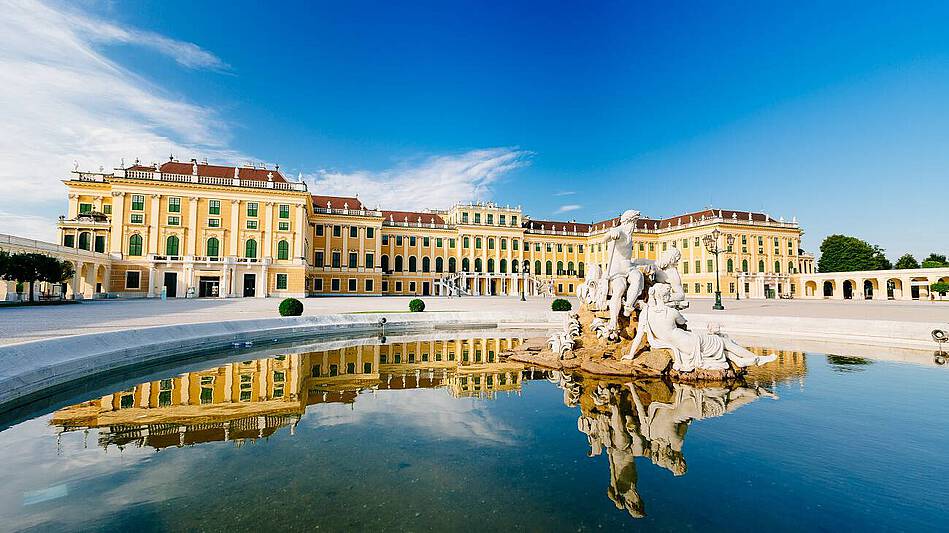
{"points": [[291, 307], [416, 306], [560, 305]]}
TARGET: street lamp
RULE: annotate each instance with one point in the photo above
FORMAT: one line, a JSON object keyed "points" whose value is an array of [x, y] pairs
{"points": [[711, 244], [524, 267]]}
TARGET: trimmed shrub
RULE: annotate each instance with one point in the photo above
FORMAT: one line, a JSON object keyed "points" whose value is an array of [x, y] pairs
{"points": [[560, 305], [416, 306], [291, 307]]}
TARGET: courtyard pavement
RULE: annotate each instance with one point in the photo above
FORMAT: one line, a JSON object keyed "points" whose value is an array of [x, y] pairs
{"points": [[23, 324]]}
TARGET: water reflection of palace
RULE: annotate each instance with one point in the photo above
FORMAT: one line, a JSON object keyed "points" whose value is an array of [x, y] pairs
{"points": [[252, 399], [650, 418]]}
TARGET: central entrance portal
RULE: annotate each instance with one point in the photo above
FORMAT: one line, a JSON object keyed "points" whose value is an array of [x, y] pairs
{"points": [[250, 285], [209, 286]]}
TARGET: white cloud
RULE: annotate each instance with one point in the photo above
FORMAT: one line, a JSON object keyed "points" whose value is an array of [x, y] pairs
{"points": [[565, 193], [569, 207], [63, 100], [433, 182]]}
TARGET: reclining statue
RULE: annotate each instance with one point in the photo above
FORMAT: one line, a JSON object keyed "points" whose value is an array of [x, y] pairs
{"points": [[663, 325]]}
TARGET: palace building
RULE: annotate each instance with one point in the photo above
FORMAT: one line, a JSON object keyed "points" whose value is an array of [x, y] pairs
{"points": [[200, 230]]}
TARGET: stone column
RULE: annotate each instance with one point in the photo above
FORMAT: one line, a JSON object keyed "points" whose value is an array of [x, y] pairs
{"points": [[116, 246], [151, 281], [154, 220], [76, 282], [192, 230], [235, 247], [268, 232], [299, 232]]}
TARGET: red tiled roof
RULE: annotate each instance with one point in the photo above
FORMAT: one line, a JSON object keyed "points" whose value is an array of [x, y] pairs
{"points": [[555, 225], [413, 217], [219, 171], [337, 202], [709, 213], [643, 223]]}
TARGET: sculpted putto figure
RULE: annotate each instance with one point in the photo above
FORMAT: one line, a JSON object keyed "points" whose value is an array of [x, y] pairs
{"points": [[661, 323]]}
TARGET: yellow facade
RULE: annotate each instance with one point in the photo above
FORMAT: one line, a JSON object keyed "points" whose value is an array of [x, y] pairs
{"points": [[189, 230]]}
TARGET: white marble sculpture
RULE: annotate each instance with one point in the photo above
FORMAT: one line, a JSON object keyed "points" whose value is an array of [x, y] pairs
{"points": [[663, 325]]}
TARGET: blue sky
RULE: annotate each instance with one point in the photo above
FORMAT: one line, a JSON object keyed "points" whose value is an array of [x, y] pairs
{"points": [[835, 113]]}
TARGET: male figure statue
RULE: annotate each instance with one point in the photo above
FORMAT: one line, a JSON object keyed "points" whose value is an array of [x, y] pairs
{"points": [[622, 273]]}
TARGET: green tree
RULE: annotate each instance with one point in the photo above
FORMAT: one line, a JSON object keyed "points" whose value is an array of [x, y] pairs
{"points": [[935, 261], [842, 253], [907, 261], [941, 287], [31, 267], [4, 263]]}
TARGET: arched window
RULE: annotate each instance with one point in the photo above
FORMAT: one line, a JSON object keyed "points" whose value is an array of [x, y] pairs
{"points": [[478, 264], [385, 263], [729, 266], [537, 267], [491, 265], [790, 267], [513, 266], [777, 266], [560, 268], [250, 249], [171, 245], [84, 240], [439, 264], [451, 265], [550, 268], [761, 265], [413, 264], [744, 265], [214, 247], [426, 264], [283, 250], [569, 268], [580, 271], [465, 265], [135, 245], [398, 263], [503, 266]]}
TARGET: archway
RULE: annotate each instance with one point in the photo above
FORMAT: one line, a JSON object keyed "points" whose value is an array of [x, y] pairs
{"points": [[829, 288], [867, 289], [894, 288], [919, 288], [102, 284], [848, 289], [810, 288]]}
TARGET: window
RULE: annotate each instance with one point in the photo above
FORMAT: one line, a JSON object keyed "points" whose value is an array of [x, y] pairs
{"points": [[85, 208], [369, 260], [490, 218], [698, 288], [490, 244], [709, 266], [370, 233], [761, 266], [426, 264], [336, 259], [412, 241], [353, 259], [334, 285], [214, 247], [138, 202], [559, 247], [284, 211], [353, 232], [252, 209], [135, 245], [171, 245], [337, 231], [451, 243], [729, 266], [133, 279], [744, 265], [319, 230], [477, 218], [685, 267], [174, 204], [250, 249], [513, 220], [352, 284], [731, 287], [777, 266], [283, 250], [281, 282], [698, 266], [319, 258], [283, 226], [174, 220], [251, 224], [685, 243], [514, 244], [501, 220], [318, 285], [413, 264], [465, 242], [369, 285], [398, 240], [137, 218], [214, 207], [107, 209], [464, 218], [100, 243], [426, 241], [214, 223], [708, 288]]}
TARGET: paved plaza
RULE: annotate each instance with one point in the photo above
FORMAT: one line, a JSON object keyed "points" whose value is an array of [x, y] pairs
{"points": [[23, 324]]}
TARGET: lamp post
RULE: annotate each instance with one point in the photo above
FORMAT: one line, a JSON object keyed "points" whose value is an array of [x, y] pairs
{"points": [[711, 244], [524, 266]]}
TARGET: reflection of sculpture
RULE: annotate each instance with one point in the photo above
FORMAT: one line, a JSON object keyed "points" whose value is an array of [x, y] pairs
{"points": [[648, 419], [690, 350]]}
